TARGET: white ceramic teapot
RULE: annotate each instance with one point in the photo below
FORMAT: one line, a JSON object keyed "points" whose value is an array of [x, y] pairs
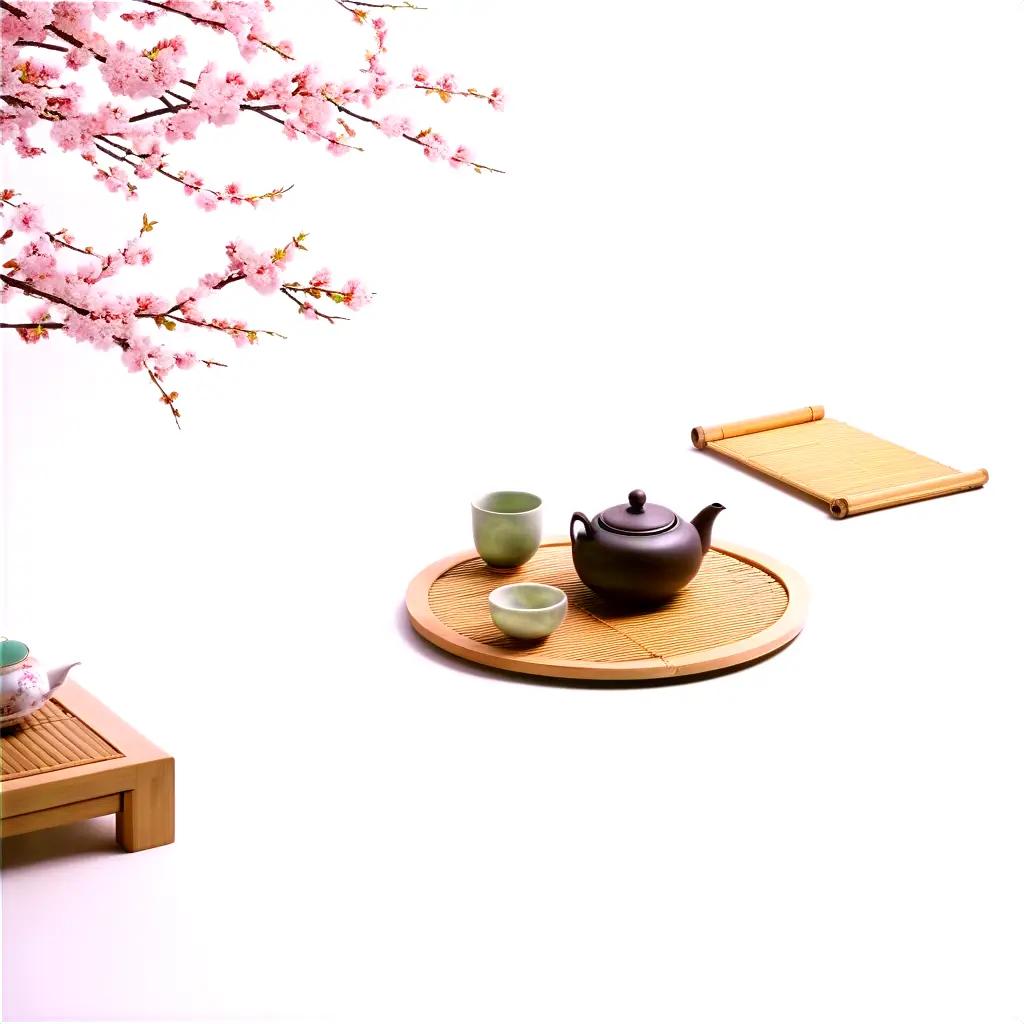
{"points": [[24, 684]]}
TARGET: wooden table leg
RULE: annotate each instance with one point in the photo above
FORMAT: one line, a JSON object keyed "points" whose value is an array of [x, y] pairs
{"points": [[146, 818]]}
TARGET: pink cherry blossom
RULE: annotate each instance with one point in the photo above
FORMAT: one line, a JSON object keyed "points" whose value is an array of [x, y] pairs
{"points": [[28, 218], [354, 295], [140, 19], [336, 145], [135, 356], [77, 57], [461, 156], [394, 125], [435, 147], [206, 201], [380, 85], [136, 254]]}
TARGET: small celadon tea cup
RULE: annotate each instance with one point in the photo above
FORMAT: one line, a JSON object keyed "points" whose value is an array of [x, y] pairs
{"points": [[506, 528], [528, 611]]}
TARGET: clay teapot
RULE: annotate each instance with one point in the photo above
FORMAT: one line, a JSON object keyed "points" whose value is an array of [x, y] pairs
{"points": [[640, 554], [25, 685]]}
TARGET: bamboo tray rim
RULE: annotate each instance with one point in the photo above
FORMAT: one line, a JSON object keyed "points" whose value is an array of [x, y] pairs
{"points": [[712, 659]]}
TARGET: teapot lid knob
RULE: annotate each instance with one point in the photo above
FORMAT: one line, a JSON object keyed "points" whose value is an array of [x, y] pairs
{"points": [[637, 500]]}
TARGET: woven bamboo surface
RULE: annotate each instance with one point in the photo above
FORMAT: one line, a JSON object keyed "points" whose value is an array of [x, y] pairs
{"points": [[48, 739], [850, 470], [735, 610]]}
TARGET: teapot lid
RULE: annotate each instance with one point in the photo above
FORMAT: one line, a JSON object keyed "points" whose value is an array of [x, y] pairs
{"points": [[638, 516], [12, 652]]}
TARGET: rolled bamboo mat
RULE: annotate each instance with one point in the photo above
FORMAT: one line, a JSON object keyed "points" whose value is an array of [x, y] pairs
{"points": [[848, 469]]}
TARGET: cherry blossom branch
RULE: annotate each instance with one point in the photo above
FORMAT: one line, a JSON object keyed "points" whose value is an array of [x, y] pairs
{"points": [[395, 127], [167, 399], [196, 20], [192, 184], [300, 86], [352, 7], [306, 308], [61, 238], [124, 141], [445, 88], [106, 321], [446, 95]]}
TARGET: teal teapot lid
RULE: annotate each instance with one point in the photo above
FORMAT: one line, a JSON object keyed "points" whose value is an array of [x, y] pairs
{"points": [[12, 652]]}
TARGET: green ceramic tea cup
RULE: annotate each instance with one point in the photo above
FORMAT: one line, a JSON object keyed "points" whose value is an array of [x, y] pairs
{"points": [[528, 611], [506, 527]]}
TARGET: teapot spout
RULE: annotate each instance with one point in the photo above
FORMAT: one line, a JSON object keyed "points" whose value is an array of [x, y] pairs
{"points": [[703, 521], [57, 676]]}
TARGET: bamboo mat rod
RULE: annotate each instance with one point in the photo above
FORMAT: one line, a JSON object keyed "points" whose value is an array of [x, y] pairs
{"points": [[886, 497], [850, 470], [807, 414]]}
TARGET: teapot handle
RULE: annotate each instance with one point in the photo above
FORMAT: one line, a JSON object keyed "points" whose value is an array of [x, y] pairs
{"points": [[579, 517]]}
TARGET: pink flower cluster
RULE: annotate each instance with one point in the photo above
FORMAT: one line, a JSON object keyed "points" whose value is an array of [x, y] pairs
{"points": [[354, 295], [260, 269], [150, 73], [392, 125], [436, 148], [216, 99]]}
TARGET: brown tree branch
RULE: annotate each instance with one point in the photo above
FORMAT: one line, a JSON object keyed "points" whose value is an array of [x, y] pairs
{"points": [[47, 325], [159, 112], [168, 399], [42, 46], [38, 293], [385, 7], [302, 306]]}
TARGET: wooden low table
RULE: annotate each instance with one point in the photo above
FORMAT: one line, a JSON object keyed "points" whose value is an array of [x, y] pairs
{"points": [[74, 759]]}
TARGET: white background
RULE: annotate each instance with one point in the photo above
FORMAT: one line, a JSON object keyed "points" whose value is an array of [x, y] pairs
{"points": [[712, 211]]}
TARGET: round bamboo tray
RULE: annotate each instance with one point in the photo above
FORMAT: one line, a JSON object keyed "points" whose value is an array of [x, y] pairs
{"points": [[740, 607]]}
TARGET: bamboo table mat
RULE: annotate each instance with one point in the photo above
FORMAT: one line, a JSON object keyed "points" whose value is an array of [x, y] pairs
{"points": [[848, 469], [738, 608], [49, 739]]}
